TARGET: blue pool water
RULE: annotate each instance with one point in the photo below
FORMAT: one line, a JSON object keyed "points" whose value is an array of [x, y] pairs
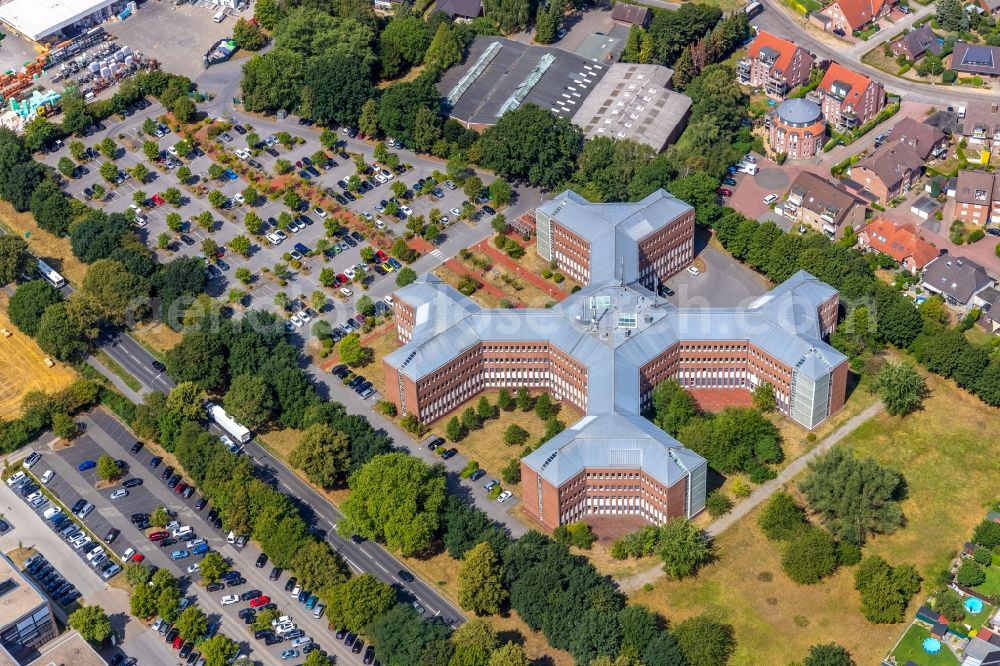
{"points": [[973, 605], [932, 645]]}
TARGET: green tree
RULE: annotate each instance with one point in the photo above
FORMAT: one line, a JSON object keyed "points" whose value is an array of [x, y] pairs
{"points": [[172, 196], [213, 565], [397, 499], [515, 435], [402, 44], [705, 641], [240, 245], [474, 642], [454, 430], [184, 110], [323, 454], [29, 303], [355, 603], [830, 654], [250, 400], [810, 557], [142, 601], [109, 171], [15, 260], [350, 350], [368, 119], [78, 150], [216, 198], [58, 335], [854, 497], [184, 174], [500, 192], [151, 150], [781, 519], [405, 276], [480, 587], [763, 398], [900, 387], [191, 624], [683, 547], [950, 604], [115, 291], [108, 469], [885, 590], [108, 148], [92, 623], [970, 574], [137, 574], [319, 567], [248, 35], [718, 503], [66, 166], [509, 654], [188, 400], [218, 650]]}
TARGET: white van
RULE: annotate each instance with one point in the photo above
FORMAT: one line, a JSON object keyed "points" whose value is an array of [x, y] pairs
{"points": [[231, 537], [746, 167], [220, 17]]}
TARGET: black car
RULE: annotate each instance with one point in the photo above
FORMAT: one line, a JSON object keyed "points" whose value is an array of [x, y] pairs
{"points": [[78, 505], [341, 633], [478, 474], [406, 575], [350, 241], [215, 587], [356, 235], [290, 584], [185, 650], [169, 541], [139, 517], [187, 240], [369, 655], [217, 523], [250, 594], [135, 448], [249, 619], [434, 443], [236, 582], [171, 635], [155, 462], [489, 210], [261, 561], [262, 633], [359, 645], [167, 473], [450, 453], [255, 164], [193, 658], [239, 129], [273, 640], [293, 634], [112, 535], [173, 481], [212, 515], [200, 504], [131, 483], [275, 573], [245, 612], [349, 640], [305, 121], [272, 152], [188, 492]]}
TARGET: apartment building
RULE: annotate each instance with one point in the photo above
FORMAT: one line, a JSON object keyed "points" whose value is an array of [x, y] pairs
{"points": [[653, 238], [977, 197], [604, 350], [774, 65], [848, 99], [26, 618], [797, 129], [823, 205], [980, 126], [928, 141], [902, 242], [888, 172]]}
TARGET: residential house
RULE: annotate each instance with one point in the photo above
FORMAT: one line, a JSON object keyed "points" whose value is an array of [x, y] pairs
{"points": [[774, 65], [981, 653], [851, 15], [977, 197], [929, 142], [815, 201], [976, 59], [848, 99], [956, 278], [631, 14], [899, 241], [989, 306], [916, 43], [990, 6], [460, 9], [981, 126], [889, 171]]}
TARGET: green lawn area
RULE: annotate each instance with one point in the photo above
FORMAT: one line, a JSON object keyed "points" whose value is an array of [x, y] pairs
{"points": [[992, 584], [975, 621], [911, 648]]}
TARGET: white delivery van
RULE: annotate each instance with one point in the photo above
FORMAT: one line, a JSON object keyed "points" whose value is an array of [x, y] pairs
{"points": [[220, 17]]}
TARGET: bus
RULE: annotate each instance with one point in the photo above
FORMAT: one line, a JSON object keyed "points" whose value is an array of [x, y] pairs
{"points": [[753, 8], [228, 423], [53, 278]]}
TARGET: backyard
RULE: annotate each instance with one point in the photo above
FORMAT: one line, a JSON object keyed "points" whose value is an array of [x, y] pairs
{"points": [[911, 648], [950, 477]]}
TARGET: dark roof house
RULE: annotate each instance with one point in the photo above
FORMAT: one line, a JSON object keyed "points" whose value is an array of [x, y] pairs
{"points": [[923, 138], [631, 14], [460, 8], [956, 278], [976, 59], [916, 43]]}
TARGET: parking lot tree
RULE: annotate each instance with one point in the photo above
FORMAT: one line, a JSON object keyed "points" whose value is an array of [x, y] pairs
{"points": [[472, 187], [66, 166], [159, 518], [397, 499], [253, 139], [142, 601], [92, 623], [480, 586], [172, 196], [252, 222], [191, 624], [367, 254], [205, 219], [168, 603], [855, 497], [107, 469], [184, 147], [174, 221], [264, 619], [29, 303], [236, 295], [139, 197], [328, 277], [281, 271], [215, 171], [285, 139], [244, 275], [406, 276], [282, 166], [317, 658], [109, 171], [240, 245], [366, 306], [38, 133], [216, 198], [399, 189], [151, 150], [209, 247], [292, 200], [250, 195], [108, 148], [149, 126], [218, 650], [140, 172], [350, 350], [77, 150], [432, 233], [98, 192], [184, 109], [391, 208], [500, 192], [15, 260]]}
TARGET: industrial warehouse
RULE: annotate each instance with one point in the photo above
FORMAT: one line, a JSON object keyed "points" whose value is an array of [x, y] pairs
{"points": [[605, 349], [51, 21]]}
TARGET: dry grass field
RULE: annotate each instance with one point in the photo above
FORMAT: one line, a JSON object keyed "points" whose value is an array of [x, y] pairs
{"points": [[947, 457], [22, 369], [55, 251]]}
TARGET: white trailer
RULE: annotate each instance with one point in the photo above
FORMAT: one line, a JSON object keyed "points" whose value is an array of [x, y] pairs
{"points": [[228, 423]]}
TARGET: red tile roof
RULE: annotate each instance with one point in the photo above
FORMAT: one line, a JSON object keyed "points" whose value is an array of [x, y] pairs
{"points": [[784, 48], [899, 241], [859, 12], [858, 82]]}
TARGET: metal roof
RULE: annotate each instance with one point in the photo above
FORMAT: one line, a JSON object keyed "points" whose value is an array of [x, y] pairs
{"points": [[799, 112]]}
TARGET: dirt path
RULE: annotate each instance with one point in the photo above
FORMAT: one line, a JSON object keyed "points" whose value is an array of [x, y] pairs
{"points": [[537, 280], [764, 491]]}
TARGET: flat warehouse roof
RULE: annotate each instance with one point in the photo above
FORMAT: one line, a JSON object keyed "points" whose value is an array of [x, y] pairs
{"points": [[37, 19], [499, 75]]}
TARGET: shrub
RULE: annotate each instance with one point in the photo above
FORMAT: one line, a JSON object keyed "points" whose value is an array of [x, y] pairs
{"points": [[950, 604], [558, 278], [811, 557], [848, 554], [718, 503], [981, 556], [949, 76], [741, 488], [546, 273], [782, 519], [970, 574]]}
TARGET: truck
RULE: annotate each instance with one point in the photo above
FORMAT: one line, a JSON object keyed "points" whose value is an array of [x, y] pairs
{"points": [[228, 423]]}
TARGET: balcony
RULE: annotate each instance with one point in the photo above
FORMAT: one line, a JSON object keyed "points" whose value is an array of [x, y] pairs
{"points": [[848, 120], [775, 87], [830, 229]]}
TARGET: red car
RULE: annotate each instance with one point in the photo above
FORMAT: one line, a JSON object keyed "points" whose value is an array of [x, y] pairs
{"points": [[342, 279], [158, 200], [382, 256], [138, 557], [721, 191], [158, 535], [260, 601], [180, 487], [178, 642]]}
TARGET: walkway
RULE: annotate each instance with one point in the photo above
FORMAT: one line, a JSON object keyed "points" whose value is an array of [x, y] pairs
{"points": [[763, 492]]}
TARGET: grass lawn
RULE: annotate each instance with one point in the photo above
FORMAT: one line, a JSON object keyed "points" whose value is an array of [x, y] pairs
{"points": [[480, 296], [519, 289], [157, 338], [911, 648], [978, 336], [950, 474], [112, 365], [975, 621], [991, 586], [56, 252], [22, 368], [876, 58]]}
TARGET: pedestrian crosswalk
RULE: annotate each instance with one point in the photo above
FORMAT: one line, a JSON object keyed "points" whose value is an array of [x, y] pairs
{"points": [[436, 253]]}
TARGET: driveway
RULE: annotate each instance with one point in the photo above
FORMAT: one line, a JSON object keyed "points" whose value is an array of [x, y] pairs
{"points": [[722, 282]]}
